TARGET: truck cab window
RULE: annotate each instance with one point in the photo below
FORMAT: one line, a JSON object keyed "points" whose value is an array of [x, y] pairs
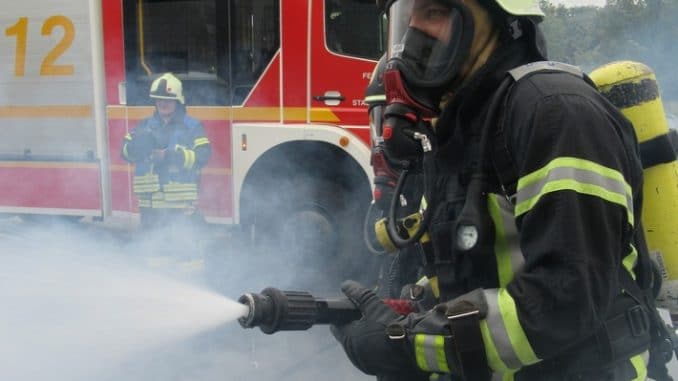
{"points": [[217, 48], [354, 28]]}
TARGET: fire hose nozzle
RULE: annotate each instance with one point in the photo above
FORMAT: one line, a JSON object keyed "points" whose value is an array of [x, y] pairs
{"points": [[274, 310]]}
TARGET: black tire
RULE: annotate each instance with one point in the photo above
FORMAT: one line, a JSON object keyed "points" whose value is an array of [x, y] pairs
{"points": [[311, 228]]}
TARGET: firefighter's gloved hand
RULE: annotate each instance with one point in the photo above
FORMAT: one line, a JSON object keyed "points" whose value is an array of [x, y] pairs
{"points": [[448, 338], [366, 342], [141, 145]]}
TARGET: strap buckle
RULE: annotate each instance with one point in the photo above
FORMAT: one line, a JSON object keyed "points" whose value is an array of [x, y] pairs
{"points": [[463, 314], [638, 320], [396, 331]]}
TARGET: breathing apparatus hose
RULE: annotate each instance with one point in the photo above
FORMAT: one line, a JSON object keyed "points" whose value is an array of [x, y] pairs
{"points": [[428, 169]]}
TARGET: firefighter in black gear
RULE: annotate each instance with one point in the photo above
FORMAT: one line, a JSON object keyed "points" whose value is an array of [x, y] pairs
{"points": [[168, 150], [533, 190]]}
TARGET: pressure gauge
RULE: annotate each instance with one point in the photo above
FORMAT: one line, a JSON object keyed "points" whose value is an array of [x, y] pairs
{"points": [[467, 237]]}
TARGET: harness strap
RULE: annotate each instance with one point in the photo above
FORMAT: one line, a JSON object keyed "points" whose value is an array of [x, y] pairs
{"points": [[468, 346], [659, 150]]}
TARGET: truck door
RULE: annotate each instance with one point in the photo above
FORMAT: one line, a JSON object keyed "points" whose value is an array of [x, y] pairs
{"points": [[51, 112], [346, 40]]}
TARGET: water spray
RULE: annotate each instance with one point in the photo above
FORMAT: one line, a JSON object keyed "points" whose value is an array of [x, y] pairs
{"points": [[274, 310]]}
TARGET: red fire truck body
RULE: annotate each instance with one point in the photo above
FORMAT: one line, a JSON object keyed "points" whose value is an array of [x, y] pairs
{"points": [[259, 74]]}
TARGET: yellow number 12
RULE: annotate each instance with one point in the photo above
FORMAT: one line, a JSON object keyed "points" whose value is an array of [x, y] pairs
{"points": [[48, 66], [20, 30]]}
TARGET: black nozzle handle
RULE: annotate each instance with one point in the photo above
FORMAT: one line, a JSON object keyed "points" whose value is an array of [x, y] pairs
{"points": [[336, 311], [274, 310]]}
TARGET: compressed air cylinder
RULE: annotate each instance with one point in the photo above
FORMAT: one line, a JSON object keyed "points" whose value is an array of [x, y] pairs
{"points": [[632, 87]]}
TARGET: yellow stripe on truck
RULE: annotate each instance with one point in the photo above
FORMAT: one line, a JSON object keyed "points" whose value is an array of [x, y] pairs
{"points": [[46, 111], [241, 114], [46, 164]]}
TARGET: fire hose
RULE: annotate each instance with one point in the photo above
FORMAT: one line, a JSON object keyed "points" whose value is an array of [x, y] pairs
{"points": [[275, 310]]}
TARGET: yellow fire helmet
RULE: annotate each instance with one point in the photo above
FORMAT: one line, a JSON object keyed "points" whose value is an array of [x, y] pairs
{"points": [[521, 7], [167, 86]]}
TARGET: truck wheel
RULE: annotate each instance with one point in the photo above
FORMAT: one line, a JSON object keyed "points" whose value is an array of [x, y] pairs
{"points": [[313, 227]]}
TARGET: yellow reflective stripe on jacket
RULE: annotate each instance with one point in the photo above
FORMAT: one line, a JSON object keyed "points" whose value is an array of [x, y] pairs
{"points": [[189, 158], [630, 261], [128, 138], [579, 175], [180, 187], [639, 363], [147, 179], [506, 343], [146, 183], [163, 204], [509, 258], [429, 352], [180, 191], [200, 141], [184, 196], [160, 200]]}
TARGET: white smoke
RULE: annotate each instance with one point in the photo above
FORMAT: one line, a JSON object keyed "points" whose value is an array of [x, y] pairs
{"points": [[79, 304]]}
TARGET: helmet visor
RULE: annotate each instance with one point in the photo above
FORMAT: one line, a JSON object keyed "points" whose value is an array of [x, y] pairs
{"points": [[428, 39]]}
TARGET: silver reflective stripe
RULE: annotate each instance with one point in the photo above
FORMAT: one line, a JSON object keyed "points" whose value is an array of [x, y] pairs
{"points": [[533, 67], [608, 188], [511, 234], [498, 331], [506, 248], [375, 98], [430, 353]]}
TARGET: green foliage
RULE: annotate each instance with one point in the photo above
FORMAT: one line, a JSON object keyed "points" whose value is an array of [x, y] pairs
{"points": [[640, 30]]}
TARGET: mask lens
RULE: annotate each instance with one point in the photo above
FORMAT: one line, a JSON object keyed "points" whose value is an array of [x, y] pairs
{"points": [[425, 37]]}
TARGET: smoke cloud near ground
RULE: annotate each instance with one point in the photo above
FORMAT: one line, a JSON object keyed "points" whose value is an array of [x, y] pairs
{"points": [[80, 302]]}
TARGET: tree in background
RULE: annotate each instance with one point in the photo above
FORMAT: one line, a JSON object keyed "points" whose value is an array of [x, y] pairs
{"points": [[638, 30]]}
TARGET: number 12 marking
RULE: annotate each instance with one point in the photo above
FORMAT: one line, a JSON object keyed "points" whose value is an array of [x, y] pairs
{"points": [[48, 66]]}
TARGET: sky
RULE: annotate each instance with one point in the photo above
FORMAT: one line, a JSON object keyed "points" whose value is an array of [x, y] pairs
{"points": [[576, 3]]}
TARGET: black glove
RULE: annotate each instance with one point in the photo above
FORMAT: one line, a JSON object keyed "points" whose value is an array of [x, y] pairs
{"points": [[366, 342], [141, 145]]}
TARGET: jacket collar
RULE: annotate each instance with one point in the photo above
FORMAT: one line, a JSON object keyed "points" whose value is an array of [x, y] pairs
{"points": [[177, 117], [466, 108]]}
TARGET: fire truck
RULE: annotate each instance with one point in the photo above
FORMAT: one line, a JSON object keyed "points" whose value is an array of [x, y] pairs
{"points": [[278, 85]]}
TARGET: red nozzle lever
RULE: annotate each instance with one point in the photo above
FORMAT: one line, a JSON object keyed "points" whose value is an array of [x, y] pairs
{"points": [[401, 306]]}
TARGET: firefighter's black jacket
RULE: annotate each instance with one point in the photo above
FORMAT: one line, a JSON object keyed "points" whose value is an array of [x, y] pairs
{"points": [[553, 278]]}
